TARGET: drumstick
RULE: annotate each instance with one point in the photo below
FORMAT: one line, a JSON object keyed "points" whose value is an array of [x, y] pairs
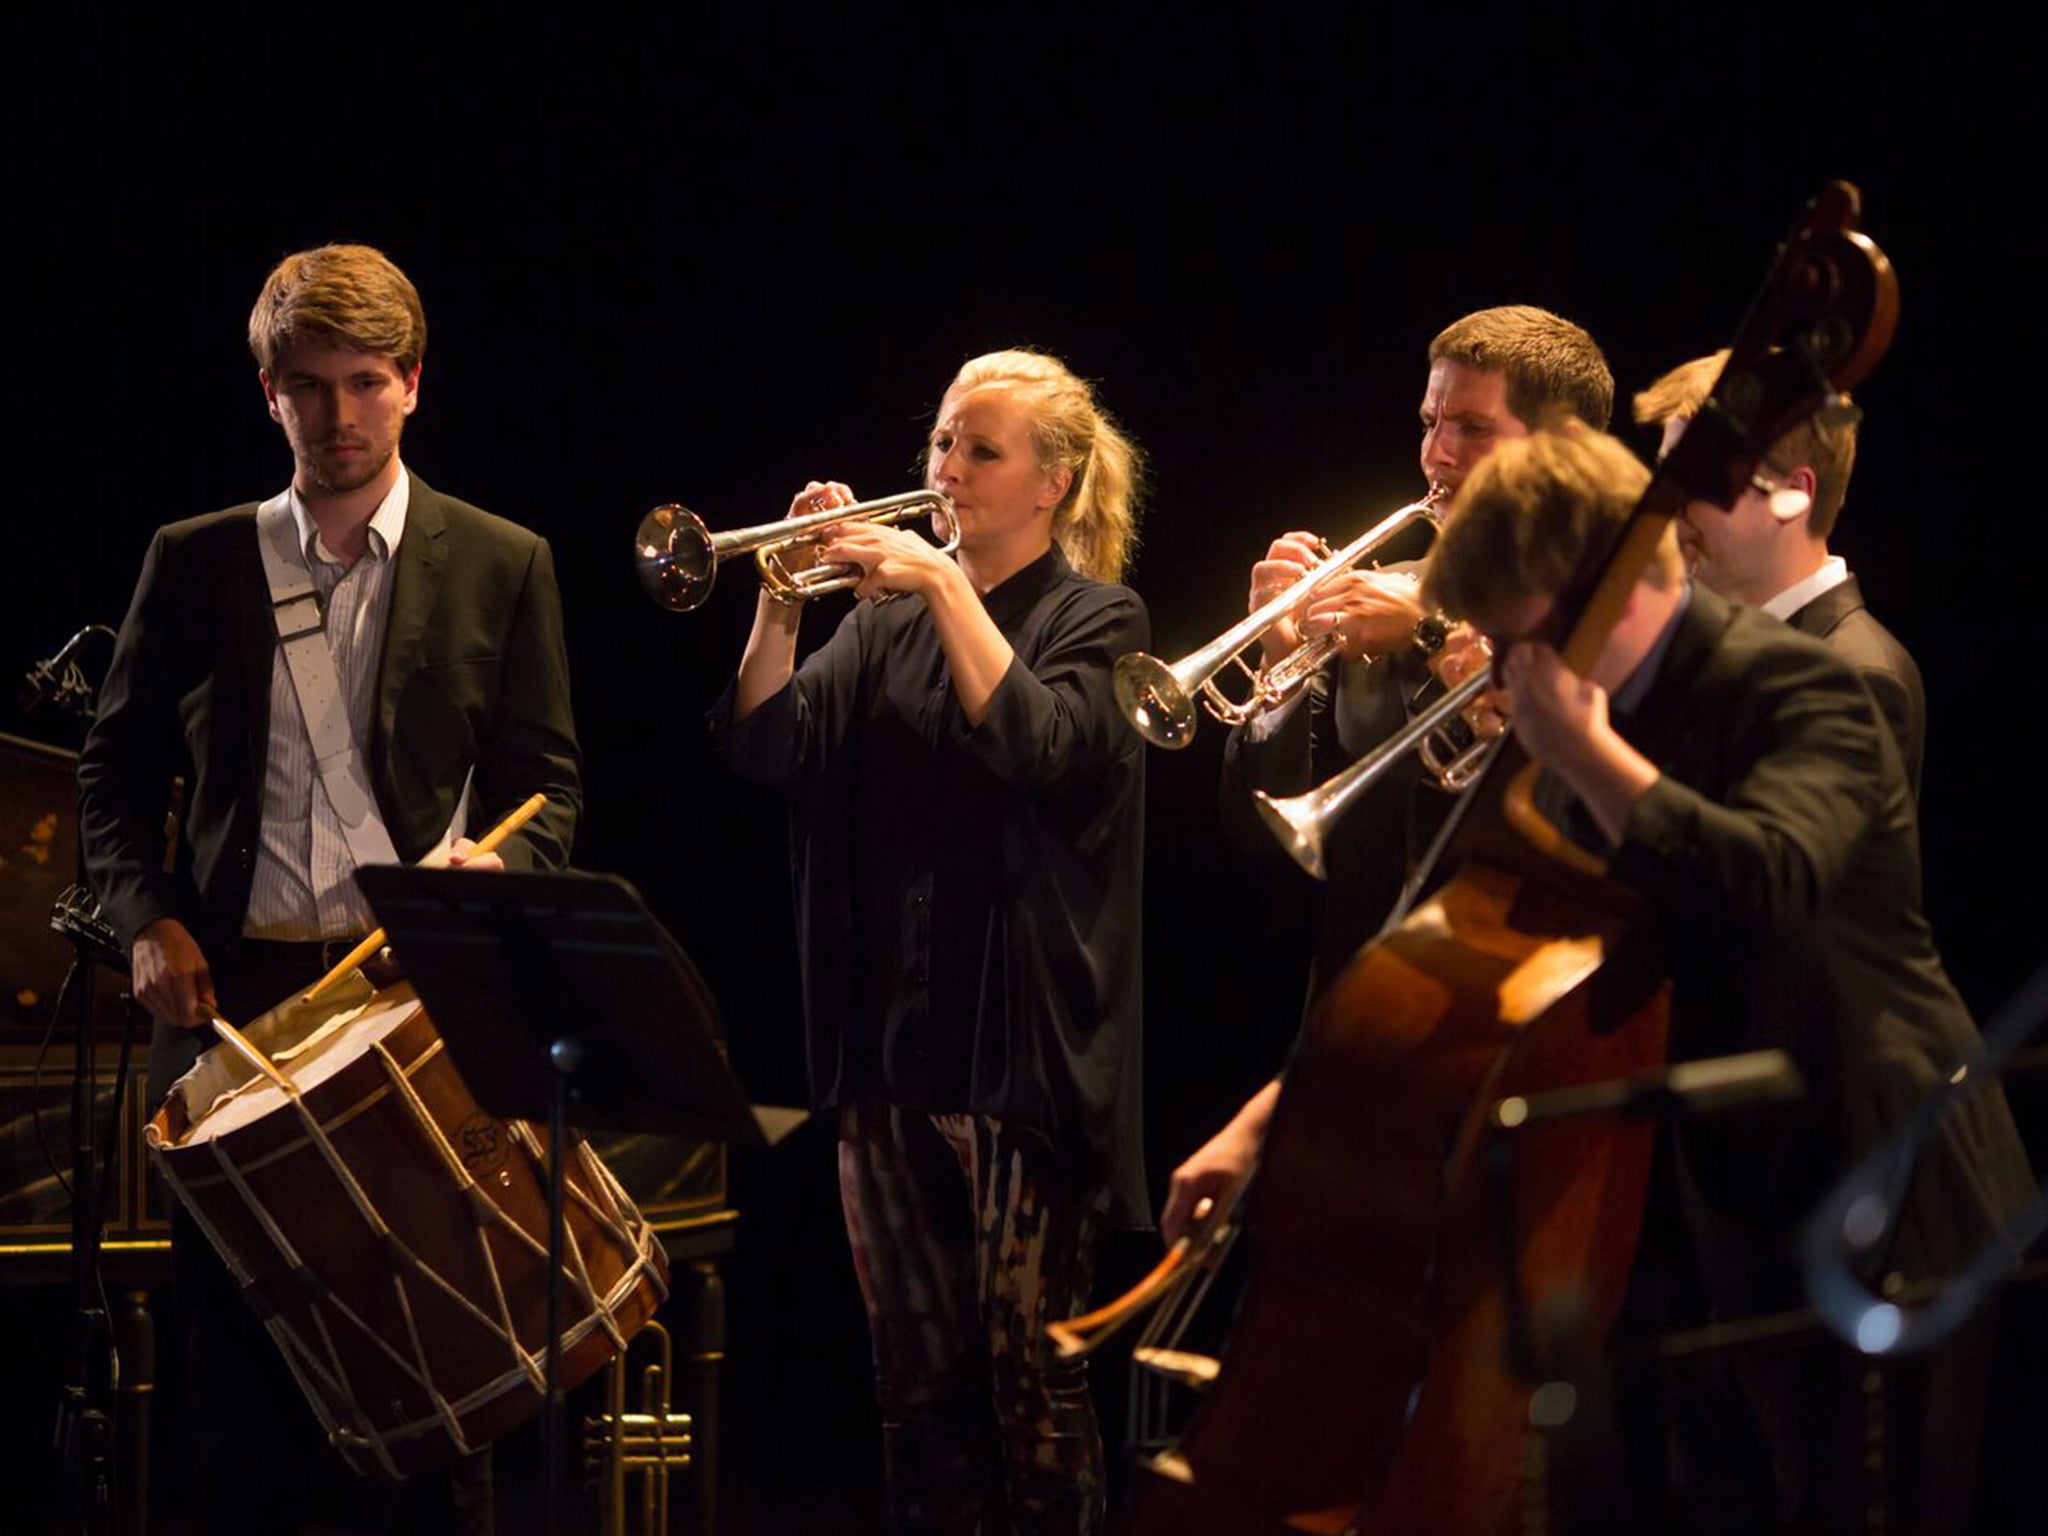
{"points": [[486, 844], [246, 1048]]}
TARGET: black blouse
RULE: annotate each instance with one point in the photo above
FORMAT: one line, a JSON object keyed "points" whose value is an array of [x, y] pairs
{"points": [[968, 897]]}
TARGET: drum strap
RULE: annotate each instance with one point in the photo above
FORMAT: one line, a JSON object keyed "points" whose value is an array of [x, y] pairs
{"points": [[302, 635]]}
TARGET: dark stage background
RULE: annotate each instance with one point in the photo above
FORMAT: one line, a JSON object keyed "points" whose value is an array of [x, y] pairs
{"points": [[709, 257]]}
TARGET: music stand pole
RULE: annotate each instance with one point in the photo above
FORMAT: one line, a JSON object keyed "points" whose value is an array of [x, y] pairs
{"points": [[565, 1055]]}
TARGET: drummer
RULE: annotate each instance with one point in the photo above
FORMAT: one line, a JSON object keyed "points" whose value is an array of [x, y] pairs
{"points": [[261, 900]]}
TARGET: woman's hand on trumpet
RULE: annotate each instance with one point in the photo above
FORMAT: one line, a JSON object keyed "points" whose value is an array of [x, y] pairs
{"points": [[894, 559], [816, 496]]}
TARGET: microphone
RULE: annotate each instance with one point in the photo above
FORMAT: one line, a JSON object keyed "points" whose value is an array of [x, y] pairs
{"points": [[58, 680], [1716, 1085]]}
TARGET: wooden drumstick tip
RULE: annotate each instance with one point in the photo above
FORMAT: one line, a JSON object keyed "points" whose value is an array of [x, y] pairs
{"points": [[244, 1047]]}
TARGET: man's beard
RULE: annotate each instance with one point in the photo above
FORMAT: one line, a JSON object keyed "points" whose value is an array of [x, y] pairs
{"points": [[336, 479]]}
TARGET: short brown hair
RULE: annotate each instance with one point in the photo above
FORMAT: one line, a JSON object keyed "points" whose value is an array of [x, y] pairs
{"points": [[1554, 368], [339, 296], [1526, 515], [1829, 451]]}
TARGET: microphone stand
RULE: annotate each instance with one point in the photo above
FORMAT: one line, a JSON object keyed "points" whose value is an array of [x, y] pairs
{"points": [[84, 1435]]}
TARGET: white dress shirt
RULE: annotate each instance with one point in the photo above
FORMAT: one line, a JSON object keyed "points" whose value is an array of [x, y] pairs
{"points": [[1833, 572], [302, 886]]}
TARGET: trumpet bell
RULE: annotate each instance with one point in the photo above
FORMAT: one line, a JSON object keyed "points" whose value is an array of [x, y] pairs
{"points": [[1297, 827], [1152, 698], [674, 558]]}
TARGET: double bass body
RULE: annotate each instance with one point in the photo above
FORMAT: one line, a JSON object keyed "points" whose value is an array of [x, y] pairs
{"points": [[1367, 1379]]}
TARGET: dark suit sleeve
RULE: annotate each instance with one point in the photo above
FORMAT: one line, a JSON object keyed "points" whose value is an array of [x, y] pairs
{"points": [[1054, 724], [1898, 698], [532, 744], [1804, 785], [130, 756]]}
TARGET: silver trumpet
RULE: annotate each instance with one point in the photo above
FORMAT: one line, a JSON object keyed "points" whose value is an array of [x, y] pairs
{"points": [[1302, 822], [1158, 698], [677, 558]]}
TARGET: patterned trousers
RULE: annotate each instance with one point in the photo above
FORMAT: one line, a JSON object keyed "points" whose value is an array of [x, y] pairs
{"points": [[968, 1239]]}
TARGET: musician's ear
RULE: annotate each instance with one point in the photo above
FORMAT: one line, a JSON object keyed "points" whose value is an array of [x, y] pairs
{"points": [[1793, 498], [1057, 481]]}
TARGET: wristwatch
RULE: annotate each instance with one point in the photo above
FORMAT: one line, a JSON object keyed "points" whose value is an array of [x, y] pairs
{"points": [[1431, 631]]}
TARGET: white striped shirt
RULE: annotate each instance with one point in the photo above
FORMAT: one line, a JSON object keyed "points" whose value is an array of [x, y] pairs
{"points": [[302, 888]]}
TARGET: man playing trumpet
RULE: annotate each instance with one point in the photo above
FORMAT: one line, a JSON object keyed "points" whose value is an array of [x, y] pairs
{"points": [[1494, 376]]}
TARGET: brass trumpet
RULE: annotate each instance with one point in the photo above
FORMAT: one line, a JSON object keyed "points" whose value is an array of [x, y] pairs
{"points": [[1158, 698], [649, 1445], [1302, 822], [677, 558]]}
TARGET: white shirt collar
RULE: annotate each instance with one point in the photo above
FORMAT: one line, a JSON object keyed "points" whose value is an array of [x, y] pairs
{"points": [[1832, 573], [387, 523]]}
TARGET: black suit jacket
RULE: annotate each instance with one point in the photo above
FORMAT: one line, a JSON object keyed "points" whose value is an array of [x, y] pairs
{"points": [[472, 671], [1886, 667], [1781, 850]]}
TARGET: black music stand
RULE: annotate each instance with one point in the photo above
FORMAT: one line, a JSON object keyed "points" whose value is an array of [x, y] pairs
{"points": [[560, 997]]}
